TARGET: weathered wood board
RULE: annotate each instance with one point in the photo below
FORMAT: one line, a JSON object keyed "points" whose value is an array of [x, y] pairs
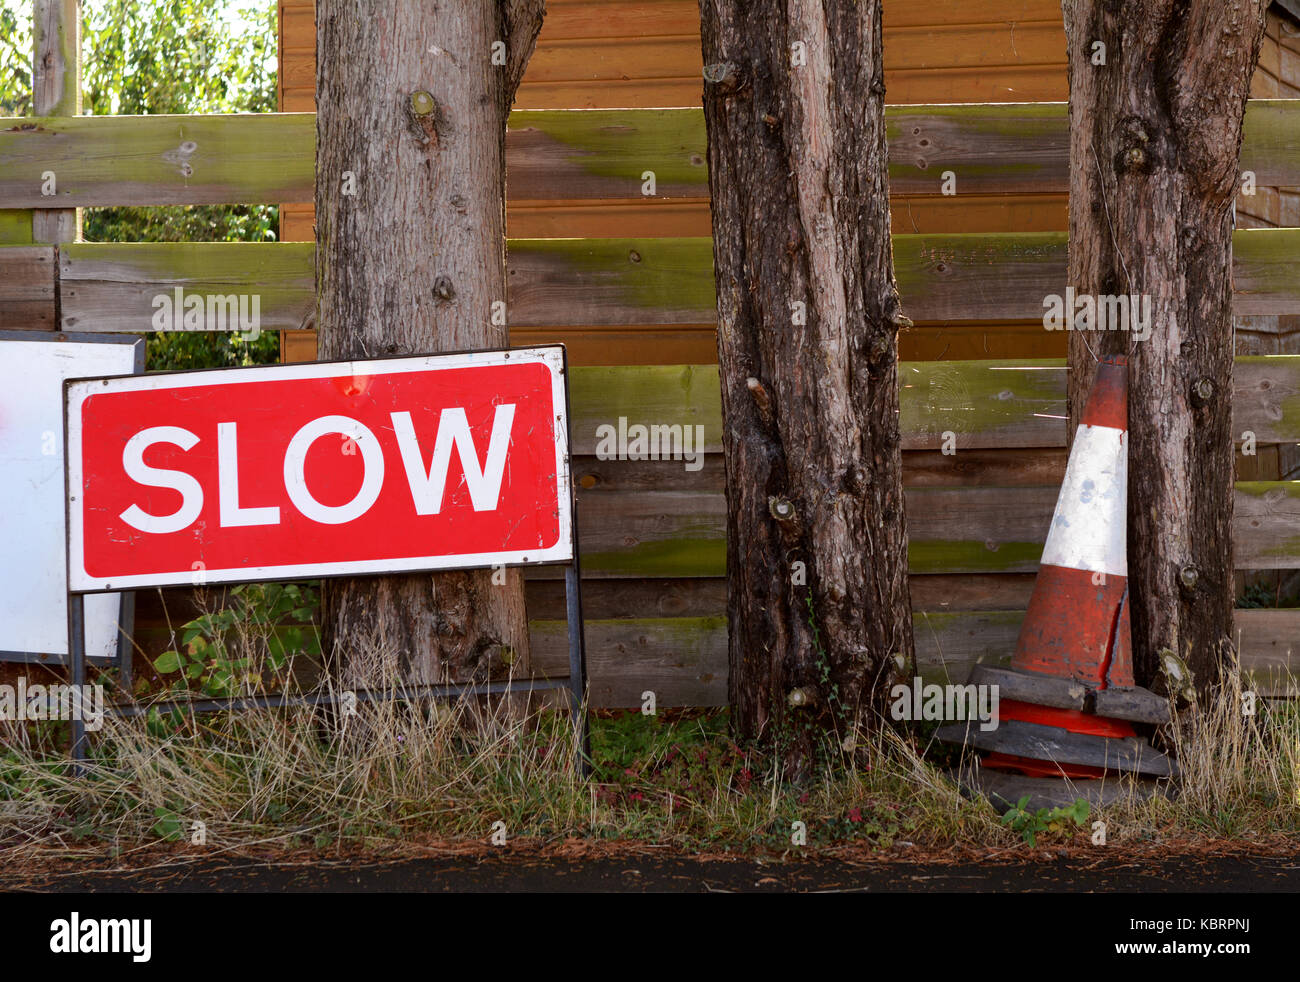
{"points": [[557, 154], [561, 282], [27, 288], [683, 659]]}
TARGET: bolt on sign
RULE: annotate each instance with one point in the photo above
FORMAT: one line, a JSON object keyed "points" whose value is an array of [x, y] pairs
{"points": [[434, 462]]}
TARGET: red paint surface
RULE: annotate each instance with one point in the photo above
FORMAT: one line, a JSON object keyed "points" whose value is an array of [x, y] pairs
{"points": [[1071, 626], [1068, 719], [267, 414], [1040, 768], [1108, 400]]}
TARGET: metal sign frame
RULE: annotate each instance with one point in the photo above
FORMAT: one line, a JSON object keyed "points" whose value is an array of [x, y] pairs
{"points": [[575, 684], [126, 607]]}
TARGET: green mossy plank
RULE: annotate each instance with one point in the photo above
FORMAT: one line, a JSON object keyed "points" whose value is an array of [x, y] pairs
{"points": [[609, 282], [560, 154], [605, 152], [666, 395], [1266, 398], [112, 286], [1266, 525], [1265, 276], [682, 660], [15, 227], [249, 158], [990, 149], [971, 530], [1269, 146], [985, 404], [1004, 403]]}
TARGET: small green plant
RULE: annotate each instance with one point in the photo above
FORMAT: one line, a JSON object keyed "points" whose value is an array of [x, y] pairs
{"points": [[169, 824], [232, 649], [1030, 825]]}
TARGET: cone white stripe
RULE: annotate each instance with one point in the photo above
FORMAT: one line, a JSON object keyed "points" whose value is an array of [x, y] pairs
{"points": [[1089, 525]]}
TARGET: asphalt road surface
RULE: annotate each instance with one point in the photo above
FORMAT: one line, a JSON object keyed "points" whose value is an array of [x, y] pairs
{"points": [[646, 874]]}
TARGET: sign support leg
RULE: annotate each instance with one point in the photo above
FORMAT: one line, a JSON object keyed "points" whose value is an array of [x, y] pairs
{"points": [[77, 663], [577, 657]]}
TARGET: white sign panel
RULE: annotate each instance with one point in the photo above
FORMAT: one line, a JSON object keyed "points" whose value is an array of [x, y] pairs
{"points": [[33, 538]]}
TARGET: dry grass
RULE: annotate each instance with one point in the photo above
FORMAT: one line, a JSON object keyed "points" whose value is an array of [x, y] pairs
{"points": [[309, 777], [1240, 773]]}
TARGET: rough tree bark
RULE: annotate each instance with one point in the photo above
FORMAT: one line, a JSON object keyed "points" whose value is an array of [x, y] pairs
{"points": [[412, 101], [808, 316], [1155, 139]]}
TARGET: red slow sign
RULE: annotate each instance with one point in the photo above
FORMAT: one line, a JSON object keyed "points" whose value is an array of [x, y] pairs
{"points": [[434, 462]]}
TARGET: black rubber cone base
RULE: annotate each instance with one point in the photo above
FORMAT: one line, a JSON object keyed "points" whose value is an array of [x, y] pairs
{"points": [[1053, 744], [1005, 789]]}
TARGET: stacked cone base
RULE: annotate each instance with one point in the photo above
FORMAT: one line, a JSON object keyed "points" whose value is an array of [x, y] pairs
{"points": [[1006, 789], [1060, 748]]}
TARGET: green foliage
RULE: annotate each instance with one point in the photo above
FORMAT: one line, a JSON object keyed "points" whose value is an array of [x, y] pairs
{"points": [[200, 56], [184, 350], [1030, 825], [169, 825], [1280, 593], [626, 745], [145, 57], [233, 649], [876, 822], [183, 56], [15, 58]]}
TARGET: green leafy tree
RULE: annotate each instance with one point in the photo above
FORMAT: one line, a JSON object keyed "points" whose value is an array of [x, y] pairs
{"points": [[15, 60], [169, 56]]}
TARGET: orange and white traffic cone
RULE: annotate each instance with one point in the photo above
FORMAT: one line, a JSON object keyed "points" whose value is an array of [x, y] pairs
{"points": [[1068, 701]]}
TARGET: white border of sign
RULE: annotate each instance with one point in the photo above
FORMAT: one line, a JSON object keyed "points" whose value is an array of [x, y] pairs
{"points": [[76, 390]]}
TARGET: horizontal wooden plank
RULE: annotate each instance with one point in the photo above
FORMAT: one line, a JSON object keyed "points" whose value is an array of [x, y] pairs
{"points": [[962, 44], [1266, 525], [27, 273], [640, 18], [707, 596], [950, 530], [603, 153], [248, 158], [697, 344], [981, 276], [113, 286], [1002, 529], [684, 660], [676, 644], [27, 288], [1003, 15], [1013, 467], [554, 154], [610, 281], [984, 404]]}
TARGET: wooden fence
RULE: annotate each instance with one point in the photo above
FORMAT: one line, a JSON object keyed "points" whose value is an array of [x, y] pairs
{"points": [[653, 531]]}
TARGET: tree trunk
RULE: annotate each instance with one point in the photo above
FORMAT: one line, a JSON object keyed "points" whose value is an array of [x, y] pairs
{"points": [[412, 100], [1155, 138], [808, 315]]}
